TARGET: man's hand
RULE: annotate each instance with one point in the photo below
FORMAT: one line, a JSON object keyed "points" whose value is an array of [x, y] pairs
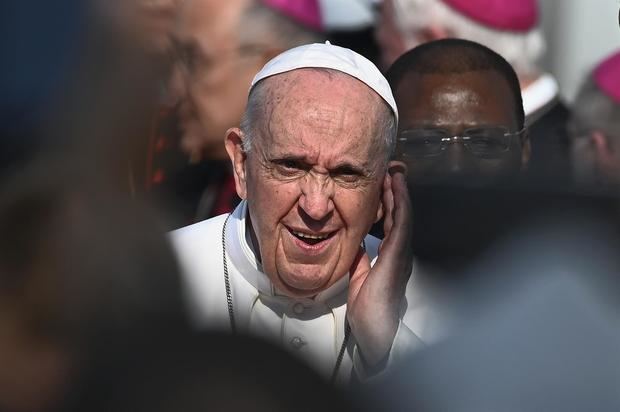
{"points": [[375, 294]]}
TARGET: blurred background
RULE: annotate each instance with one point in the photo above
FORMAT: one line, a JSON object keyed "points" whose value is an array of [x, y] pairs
{"points": [[579, 35]]}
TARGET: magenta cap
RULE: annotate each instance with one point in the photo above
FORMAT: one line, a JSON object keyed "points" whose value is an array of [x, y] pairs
{"points": [[607, 76], [508, 15], [305, 12]]}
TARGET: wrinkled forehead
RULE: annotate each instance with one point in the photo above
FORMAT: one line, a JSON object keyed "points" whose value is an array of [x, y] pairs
{"points": [[306, 104]]}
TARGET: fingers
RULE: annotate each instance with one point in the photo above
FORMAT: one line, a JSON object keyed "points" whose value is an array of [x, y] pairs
{"points": [[388, 205], [397, 204], [402, 202], [396, 255]]}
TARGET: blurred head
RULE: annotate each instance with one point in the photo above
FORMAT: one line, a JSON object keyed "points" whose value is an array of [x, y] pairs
{"points": [[595, 125], [206, 372], [311, 158], [461, 112], [81, 270], [149, 23], [221, 45], [405, 24]]}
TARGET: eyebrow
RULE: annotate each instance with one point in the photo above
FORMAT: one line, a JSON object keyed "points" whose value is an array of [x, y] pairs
{"points": [[361, 169]]}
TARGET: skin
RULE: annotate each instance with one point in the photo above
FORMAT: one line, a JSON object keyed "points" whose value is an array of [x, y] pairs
{"points": [[393, 42], [313, 169], [388, 35], [150, 22], [457, 102], [596, 159], [211, 78]]}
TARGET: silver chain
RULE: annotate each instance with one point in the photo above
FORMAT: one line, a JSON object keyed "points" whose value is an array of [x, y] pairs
{"points": [[229, 301], [231, 313]]}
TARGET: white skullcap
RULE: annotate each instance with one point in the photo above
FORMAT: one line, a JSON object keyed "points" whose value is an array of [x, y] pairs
{"points": [[328, 56]]}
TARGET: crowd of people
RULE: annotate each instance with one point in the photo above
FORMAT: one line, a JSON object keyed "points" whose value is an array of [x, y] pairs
{"points": [[303, 204]]}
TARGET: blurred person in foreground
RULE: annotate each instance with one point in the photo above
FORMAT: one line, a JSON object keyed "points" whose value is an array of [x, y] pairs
{"points": [[461, 112], [83, 271], [292, 263], [541, 330], [595, 126], [219, 46], [207, 372], [509, 28]]}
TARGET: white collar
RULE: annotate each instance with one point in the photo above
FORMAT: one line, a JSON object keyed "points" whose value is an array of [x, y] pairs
{"points": [[539, 93], [243, 257]]}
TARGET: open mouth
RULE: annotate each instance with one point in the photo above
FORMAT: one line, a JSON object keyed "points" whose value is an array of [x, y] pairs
{"points": [[311, 239]]}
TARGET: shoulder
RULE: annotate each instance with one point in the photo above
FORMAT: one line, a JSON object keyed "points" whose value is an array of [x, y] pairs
{"points": [[200, 231], [198, 248], [197, 242]]}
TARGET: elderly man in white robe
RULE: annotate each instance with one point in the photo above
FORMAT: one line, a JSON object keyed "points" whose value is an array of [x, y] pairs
{"points": [[294, 262]]}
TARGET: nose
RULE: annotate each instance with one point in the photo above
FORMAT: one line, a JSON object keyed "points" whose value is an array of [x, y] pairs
{"points": [[457, 160], [316, 198]]}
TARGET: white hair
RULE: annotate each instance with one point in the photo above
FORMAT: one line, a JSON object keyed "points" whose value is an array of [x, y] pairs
{"points": [[386, 120], [521, 50]]}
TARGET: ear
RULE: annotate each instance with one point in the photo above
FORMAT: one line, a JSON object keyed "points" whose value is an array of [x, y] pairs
{"points": [[602, 149], [526, 149], [387, 198], [234, 148], [599, 140]]}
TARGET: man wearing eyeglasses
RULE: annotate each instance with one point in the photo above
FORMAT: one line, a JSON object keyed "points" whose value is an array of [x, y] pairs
{"points": [[462, 113], [461, 129]]}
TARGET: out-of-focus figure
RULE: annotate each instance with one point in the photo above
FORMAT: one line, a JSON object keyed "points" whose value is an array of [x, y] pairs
{"points": [[83, 270], [461, 112], [207, 372], [511, 29], [220, 46], [595, 126], [541, 329], [41, 42], [149, 23]]}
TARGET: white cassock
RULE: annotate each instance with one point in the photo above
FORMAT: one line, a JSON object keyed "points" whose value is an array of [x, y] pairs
{"points": [[313, 329]]}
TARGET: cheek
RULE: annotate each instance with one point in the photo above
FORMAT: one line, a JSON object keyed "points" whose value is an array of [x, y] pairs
{"points": [[358, 209], [271, 200]]}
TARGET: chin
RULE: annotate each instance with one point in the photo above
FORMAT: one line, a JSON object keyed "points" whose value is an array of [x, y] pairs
{"points": [[305, 286]]}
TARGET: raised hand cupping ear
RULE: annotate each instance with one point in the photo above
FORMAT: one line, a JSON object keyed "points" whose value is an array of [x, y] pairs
{"points": [[375, 294]]}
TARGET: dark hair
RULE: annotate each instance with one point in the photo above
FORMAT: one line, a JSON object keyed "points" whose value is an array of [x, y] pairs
{"points": [[456, 56], [594, 110]]}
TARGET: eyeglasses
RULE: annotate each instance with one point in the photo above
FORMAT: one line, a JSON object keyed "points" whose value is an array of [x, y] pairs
{"points": [[485, 142]]}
